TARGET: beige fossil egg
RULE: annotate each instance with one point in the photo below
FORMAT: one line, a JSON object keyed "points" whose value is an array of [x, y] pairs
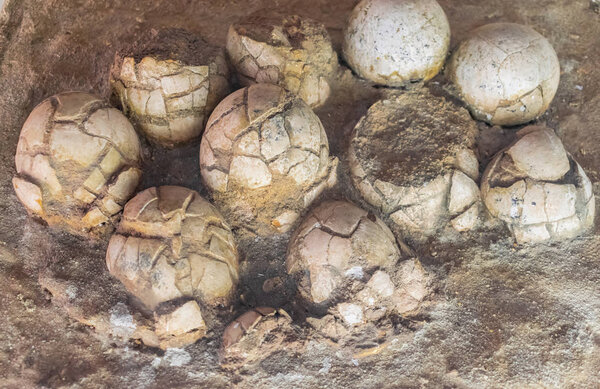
{"points": [[168, 84], [538, 189], [413, 158], [345, 259], [172, 245], [291, 51], [78, 162], [265, 158]]}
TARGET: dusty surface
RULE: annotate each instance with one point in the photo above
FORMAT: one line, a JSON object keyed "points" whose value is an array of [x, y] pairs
{"points": [[505, 315], [413, 158]]}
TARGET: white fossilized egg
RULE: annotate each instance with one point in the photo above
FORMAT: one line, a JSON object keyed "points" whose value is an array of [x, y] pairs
{"points": [[506, 73], [77, 163], [538, 189], [290, 51], [392, 42], [265, 158]]}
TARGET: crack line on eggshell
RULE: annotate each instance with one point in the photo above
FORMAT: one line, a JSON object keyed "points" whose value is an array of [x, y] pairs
{"points": [[205, 254]]}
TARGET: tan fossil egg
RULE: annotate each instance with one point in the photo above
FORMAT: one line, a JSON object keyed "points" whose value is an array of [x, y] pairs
{"points": [[265, 158], [257, 334], [291, 51], [412, 157], [172, 244], [346, 259], [176, 254], [78, 162], [168, 84]]}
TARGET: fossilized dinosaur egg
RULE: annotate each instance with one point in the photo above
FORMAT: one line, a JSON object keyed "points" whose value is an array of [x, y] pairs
{"points": [[77, 163], [507, 73], [173, 245], [345, 259], [289, 51], [257, 334], [538, 189], [412, 157], [392, 42], [265, 157], [168, 83]]}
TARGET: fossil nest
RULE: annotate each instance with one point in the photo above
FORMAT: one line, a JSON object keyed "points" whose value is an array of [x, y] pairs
{"points": [[345, 260], [77, 163], [412, 157], [291, 51], [265, 157], [392, 42], [506, 73], [538, 189], [172, 244], [257, 334], [168, 83]]}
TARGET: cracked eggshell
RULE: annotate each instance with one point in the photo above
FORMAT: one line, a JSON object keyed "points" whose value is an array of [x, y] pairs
{"points": [[168, 83], [265, 158], [506, 73], [173, 244], [412, 157], [290, 51], [336, 246], [392, 42], [257, 334], [538, 189], [77, 163], [181, 327]]}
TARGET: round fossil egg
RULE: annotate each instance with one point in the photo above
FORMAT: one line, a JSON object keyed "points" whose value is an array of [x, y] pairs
{"points": [[168, 83], [171, 244], [538, 189], [412, 158], [392, 42], [77, 163], [506, 73], [345, 259], [290, 51], [172, 247], [265, 157]]}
